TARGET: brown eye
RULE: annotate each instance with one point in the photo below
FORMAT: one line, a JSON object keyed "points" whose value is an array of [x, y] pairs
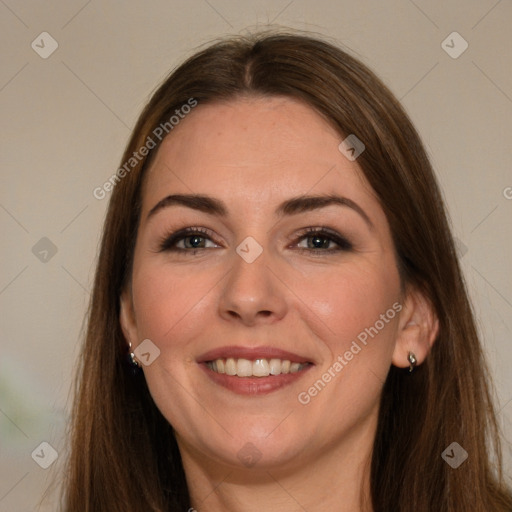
{"points": [[323, 239]]}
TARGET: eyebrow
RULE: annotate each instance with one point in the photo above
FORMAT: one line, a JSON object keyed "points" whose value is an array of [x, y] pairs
{"points": [[293, 206]]}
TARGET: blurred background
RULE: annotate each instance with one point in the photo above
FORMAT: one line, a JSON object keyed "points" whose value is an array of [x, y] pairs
{"points": [[76, 74]]}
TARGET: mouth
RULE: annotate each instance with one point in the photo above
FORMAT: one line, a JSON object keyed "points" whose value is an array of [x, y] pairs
{"points": [[258, 368], [253, 371]]}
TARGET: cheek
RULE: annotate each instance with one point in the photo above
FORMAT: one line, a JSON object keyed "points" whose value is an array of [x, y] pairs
{"points": [[165, 300], [353, 299], [171, 309], [361, 311]]}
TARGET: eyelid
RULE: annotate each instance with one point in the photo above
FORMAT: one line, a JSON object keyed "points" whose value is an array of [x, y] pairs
{"points": [[168, 242], [344, 243]]}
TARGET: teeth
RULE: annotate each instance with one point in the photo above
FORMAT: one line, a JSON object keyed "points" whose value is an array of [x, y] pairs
{"points": [[294, 367], [275, 366], [258, 368], [220, 366], [244, 368], [230, 366]]}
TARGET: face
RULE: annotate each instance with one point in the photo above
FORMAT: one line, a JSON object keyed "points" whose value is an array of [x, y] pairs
{"points": [[274, 310]]}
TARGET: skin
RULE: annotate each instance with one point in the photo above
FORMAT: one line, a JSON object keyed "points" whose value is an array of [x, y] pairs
{"points": [[253, 154]]}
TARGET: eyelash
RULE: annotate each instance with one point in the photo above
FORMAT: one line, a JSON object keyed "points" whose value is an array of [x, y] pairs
{"points": [[167, 243]]}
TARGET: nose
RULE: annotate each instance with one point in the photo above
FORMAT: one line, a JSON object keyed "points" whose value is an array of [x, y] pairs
{"points": [[252, 292]]}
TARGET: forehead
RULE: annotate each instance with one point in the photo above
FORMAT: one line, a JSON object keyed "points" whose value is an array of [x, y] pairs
{"points": [[253, 149]]}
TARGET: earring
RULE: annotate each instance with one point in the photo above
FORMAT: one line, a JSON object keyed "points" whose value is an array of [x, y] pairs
{"points": [[133, 364], [412, 361]]}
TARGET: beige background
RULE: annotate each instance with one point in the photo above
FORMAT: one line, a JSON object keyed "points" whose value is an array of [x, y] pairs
{"points": [[67, 118]]}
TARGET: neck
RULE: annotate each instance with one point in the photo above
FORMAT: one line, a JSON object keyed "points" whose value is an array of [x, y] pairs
{"points": [[337, 479]]}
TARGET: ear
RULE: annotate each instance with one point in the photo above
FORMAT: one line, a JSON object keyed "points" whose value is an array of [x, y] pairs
{"points": [[418, 328], [127, 318]]}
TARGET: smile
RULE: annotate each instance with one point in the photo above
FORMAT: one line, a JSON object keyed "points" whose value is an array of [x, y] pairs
{"points": [[241, 367], [257, 370]]}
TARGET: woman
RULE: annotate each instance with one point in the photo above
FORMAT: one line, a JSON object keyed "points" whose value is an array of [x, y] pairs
{"points": [[279, 320]]}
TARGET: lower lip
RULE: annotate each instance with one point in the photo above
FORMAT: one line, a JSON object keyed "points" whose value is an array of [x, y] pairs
{"points": [[254, 385]]}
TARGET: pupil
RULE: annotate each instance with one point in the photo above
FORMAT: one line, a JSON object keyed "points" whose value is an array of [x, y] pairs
{"points": [[319, 241], [195, 241]]}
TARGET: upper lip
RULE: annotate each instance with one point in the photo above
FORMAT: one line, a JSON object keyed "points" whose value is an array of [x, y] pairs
{"points": [[252, 353]]}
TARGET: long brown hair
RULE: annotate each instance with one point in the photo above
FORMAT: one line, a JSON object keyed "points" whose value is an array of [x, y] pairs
{"points": [[124, 456]]}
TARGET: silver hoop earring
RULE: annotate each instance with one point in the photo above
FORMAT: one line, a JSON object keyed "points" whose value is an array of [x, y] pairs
{"points": [[412, 361]]}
